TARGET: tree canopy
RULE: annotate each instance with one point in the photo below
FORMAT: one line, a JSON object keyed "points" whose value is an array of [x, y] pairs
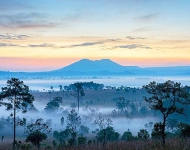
{"points": [[168, 98], [16, 96]]}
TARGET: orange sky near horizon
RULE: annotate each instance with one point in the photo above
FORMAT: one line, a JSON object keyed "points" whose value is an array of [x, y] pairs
{"points": [[46, 35], [48, 64]]}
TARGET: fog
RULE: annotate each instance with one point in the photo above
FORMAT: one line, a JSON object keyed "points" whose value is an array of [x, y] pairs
{"points": [[102, 104], [43, 84]]}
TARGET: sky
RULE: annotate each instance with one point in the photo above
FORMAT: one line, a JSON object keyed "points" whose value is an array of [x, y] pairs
{"points": [[46, 35]]}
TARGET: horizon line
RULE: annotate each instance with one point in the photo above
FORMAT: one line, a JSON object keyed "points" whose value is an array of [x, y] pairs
{"points": [[161, 66]]}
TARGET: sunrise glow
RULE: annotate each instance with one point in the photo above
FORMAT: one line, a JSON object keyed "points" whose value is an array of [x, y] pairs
{"points": [[47, 35]]}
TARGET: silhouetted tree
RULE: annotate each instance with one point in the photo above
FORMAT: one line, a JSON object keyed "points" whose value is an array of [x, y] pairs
{"points": [[107, 135], [36, 137], [83, 130], [102, 122], [127, 136], [62, 136], [36, 132], [122, 105], [62, 120], [184, 129], [104, 127], [54, 104], [73, 122], [143, 134], [16, 96], [81, 140], [51, 87], [60, 88], [172, 124], [79, 92], [38, 125], [168, 98], [157, 131]]}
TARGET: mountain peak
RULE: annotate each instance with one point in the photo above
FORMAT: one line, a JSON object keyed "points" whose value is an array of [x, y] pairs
{"points": [[86, 65], [100, 60]]}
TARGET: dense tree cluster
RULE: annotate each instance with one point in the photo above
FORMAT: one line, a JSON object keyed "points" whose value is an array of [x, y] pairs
{"points": [[167, 98]]}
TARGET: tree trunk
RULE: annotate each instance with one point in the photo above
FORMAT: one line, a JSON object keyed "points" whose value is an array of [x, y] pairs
{"points": [[78, 99], [104, 143], [163, 132], [14, 128], [38, 146]]}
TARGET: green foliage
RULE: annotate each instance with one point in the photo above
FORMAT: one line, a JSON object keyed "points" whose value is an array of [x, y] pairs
{"points": [[79, 88], [157, 131], [184, 129], [83, 130], [81, 140], [72, 141], [88, 85], [107, 134], [25, 147], [16, 96], [79, 91], [62, 136], [60, 88], [54, 143], [17, 93], [37, 126], [36, 137], [172, 124], [122, 105], [143, 134], [54, 104], [73, 121], [48, 147], [17, 144], [168, 98], [62, 120], [102, 122], [127, 136]]}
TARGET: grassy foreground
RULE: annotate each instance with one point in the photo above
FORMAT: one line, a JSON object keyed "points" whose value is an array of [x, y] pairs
{"points": [[171, 144]]}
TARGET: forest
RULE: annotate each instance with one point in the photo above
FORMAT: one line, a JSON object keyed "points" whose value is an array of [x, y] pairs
{"points": [[88, 115]]}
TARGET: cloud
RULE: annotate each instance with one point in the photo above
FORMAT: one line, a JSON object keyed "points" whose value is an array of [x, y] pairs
{"points": [[50, 45], [8, 45], [84, 44], [135, 38], [42, 45], [142, 29], [132, 46], [25, 20], [145, 18], [9, 36], [30, 45], [112, 40], [10, 5]]}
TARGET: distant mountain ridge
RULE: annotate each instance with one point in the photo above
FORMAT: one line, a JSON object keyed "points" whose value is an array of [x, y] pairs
{"points": [[103, 67], [86, 65]]}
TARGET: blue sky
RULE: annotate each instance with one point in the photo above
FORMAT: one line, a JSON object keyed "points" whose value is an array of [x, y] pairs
{"points": [[130, 32]]}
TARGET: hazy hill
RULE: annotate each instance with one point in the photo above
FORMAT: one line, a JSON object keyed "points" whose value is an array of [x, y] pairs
{"points": [[104, 67], [86, 65]]}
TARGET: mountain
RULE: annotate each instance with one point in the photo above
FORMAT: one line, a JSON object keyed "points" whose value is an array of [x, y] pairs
{"points": [[167, 71], [104, 67], [86, 65]]}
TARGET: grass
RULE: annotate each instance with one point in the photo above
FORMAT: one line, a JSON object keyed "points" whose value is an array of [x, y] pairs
{"points": [[171, 144]]}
